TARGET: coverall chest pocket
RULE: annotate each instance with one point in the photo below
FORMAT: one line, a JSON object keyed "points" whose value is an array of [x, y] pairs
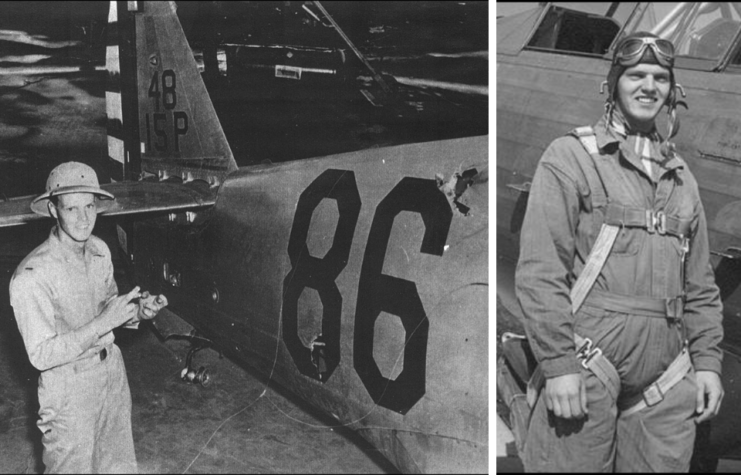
{"points": [[628, 242]]}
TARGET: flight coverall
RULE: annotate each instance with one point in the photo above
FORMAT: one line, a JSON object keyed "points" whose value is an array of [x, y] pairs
{"points": [[559, 230], [84, 397]]}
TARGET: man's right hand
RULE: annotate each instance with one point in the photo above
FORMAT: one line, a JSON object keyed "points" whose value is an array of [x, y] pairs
{"points": [[120, 310], [566, 396]]}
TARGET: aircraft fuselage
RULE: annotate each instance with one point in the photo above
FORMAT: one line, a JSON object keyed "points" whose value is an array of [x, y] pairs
{"points": [[353, 281]]}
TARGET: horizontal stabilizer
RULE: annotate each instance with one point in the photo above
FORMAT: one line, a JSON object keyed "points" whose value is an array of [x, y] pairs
{"points": [[131, 198]]}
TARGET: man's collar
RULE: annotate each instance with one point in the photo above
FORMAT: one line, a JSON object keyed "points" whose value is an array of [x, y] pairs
{"points": [[605, 134]]}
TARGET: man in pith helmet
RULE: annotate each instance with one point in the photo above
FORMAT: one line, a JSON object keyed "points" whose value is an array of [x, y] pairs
{"points": [[629, 373], [66, 304]]}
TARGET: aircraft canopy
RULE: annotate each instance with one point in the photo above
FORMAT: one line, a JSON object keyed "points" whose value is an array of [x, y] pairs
{"points": [[700, 31], [704, 33]]}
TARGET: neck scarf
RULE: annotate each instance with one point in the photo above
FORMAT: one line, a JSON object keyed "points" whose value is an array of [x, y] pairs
{"points": [[647, 146]]}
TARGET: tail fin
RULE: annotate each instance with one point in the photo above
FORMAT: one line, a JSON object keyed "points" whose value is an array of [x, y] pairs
{"points": [[178, 132]]}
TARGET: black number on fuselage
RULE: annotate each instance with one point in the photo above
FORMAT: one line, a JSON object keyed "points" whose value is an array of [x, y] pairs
{"points": [[378, 293], [319, 274]]}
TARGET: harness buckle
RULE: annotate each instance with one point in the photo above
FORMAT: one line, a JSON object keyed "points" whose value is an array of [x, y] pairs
{"points": [[586, 353], [653, 395], [674, 308], [660, 222], [584, 349], [655, 222]]}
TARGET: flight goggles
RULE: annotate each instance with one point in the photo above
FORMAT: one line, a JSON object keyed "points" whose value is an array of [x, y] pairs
{"points": [[630, 52]]}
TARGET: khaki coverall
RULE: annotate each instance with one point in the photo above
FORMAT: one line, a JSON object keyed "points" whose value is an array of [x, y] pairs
{"points": [[84, 398], [558, 232]]}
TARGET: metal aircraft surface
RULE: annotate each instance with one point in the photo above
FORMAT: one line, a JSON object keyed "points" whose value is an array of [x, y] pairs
{"points": [[357, 281], [550, 63]]}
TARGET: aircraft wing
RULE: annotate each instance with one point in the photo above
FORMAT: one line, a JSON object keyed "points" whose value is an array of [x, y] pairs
{"points": [[131, 197]]}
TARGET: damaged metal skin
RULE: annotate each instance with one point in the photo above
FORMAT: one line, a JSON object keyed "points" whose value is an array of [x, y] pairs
{"points": [[458, 183]]}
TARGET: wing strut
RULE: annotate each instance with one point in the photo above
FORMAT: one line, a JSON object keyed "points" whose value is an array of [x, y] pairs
{"points": [[355, 50]]}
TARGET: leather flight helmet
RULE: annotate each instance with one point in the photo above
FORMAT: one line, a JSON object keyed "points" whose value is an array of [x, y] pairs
{"points": [[645, 47], [646, 55]]}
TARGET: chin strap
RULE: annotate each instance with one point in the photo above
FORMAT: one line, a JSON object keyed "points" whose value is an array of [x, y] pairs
{"points": [[673, 123]]}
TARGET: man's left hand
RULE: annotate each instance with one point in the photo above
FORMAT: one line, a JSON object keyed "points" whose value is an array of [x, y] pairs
{"points": [[709, 395]]}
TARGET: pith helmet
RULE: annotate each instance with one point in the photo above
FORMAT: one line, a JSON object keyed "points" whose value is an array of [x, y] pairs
{"points": [[72, 177]]}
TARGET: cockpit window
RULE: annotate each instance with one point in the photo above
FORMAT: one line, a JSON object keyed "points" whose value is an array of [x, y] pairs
{"points": [[567, 30], [699, 30]]}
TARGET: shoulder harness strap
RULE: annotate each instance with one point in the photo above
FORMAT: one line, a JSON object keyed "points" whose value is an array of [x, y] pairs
{"points": [[594, 180]]}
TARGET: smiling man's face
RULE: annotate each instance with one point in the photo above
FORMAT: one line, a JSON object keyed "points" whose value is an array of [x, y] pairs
{"points": [[641, 92], [76, 214]]}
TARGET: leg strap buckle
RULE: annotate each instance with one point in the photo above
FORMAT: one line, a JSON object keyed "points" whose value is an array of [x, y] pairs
{"points": [[586, 353], [653, 395]]}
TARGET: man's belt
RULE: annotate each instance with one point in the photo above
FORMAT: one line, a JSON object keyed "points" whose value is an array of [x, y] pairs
{"points": [[88, 361], [645, 306]]}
